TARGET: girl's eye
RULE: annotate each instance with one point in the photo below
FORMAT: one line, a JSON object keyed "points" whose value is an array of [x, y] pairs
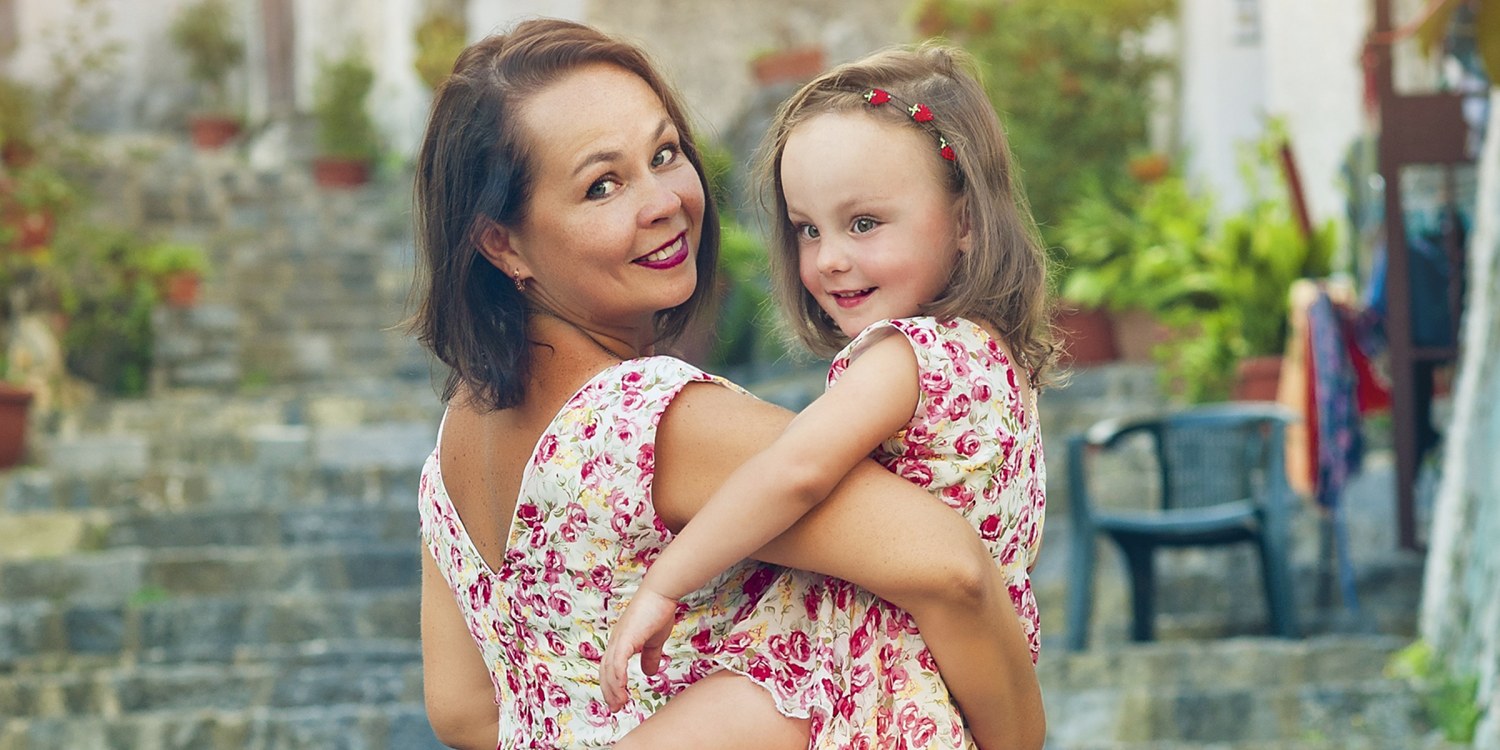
{"points": [[807, 231], [602, 188], [863, 224], [665, 155]]}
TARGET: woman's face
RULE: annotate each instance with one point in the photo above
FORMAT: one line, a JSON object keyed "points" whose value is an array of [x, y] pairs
{"points": [[611, 232]]}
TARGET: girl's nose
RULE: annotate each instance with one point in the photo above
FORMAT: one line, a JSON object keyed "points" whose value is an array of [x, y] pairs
{"points": [[833, 257]]}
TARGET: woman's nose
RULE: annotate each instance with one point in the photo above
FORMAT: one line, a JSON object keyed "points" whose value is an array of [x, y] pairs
{"points": [[662, 201]]}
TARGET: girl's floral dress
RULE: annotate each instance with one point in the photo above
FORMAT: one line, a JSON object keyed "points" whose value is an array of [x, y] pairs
{"points": [[854, 663], [583, 534]]}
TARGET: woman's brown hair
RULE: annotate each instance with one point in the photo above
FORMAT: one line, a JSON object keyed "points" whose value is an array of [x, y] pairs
{"points": [[473, 171], [1002, 279]]}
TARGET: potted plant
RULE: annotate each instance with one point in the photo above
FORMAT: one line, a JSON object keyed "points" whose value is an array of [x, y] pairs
{"points": [[30, 199], [1140, 260], [347, 140], [440, 37], [204, 32], [790, 64], [106, 289], [176, 270]]}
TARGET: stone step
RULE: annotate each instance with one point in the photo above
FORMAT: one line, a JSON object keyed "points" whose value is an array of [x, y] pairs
{"points": [[187, 687], [1251, 690], [339, 522], [1376, 710], [374, 726], [118, 574], [1431, 741], [41, 635], [183, 486], [1235, 662]]}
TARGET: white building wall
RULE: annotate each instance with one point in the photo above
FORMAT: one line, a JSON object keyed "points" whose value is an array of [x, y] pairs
{"points": [[1224, 74], [1315, 83], [486, 17], [1246, 60]]}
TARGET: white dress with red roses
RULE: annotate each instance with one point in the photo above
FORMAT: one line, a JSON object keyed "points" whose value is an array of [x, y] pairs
{"points": [[854, 663], [583, 534]]}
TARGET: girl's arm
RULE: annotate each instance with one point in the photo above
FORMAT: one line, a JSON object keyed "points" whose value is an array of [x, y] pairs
{"points": [[455, 683], [873, 399], [882, 533]]}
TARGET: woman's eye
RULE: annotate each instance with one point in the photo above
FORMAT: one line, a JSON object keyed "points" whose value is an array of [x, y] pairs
{"points": [[807, 231], [666, 155], [863, 224], [602, 188]]}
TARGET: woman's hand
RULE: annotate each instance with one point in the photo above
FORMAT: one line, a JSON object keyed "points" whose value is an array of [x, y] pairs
{"points": [[642, 629]]}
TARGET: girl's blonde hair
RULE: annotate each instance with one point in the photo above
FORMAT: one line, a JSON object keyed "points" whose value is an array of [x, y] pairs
{"points": [[1002, 279]]}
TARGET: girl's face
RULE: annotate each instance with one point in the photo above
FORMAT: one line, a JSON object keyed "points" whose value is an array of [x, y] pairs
{"points": [[611, 231], [878, 231]]}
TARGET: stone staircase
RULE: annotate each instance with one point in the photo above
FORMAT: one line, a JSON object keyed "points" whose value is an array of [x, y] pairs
{"points": [[248, 587]]}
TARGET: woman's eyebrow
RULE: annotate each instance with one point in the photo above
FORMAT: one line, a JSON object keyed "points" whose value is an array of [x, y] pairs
{"points": [[609, 155]]}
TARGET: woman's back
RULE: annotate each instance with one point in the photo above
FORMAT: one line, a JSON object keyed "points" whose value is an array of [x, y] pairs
{"points": [[581, 531]]}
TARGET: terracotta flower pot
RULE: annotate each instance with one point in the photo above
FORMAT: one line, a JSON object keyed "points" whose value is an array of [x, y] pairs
{"points": [[781, 66], [180, 289], [32, 230], [338, 172], [15, 402], [213, 131], [1088, 336], [1256, 378]]}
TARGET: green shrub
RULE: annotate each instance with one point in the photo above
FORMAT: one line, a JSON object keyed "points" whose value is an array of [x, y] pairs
{"points": [[204, 32]]}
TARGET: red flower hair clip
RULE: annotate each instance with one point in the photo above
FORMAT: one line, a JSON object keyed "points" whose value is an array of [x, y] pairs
{"points": [[919, 113]]}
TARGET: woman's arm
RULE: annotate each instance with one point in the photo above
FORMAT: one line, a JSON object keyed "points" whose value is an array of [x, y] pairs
{"points": [[882, 533], [455, 683]]}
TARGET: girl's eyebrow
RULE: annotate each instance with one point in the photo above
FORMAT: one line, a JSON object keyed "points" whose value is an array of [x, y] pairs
{"points": [[610, 155]]}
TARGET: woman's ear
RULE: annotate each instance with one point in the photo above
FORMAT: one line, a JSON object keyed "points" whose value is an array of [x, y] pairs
{"points": [[498, 246]]}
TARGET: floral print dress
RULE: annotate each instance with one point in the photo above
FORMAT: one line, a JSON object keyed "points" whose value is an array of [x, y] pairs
{"points": [[854, 663], [583, 534]]}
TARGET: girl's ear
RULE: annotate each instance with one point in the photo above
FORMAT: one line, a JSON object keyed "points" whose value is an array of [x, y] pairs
{"points": [[498, 246], [965, 235]]}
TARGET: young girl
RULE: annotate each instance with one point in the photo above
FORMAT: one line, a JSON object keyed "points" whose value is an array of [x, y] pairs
{"points": [[903, 242]]}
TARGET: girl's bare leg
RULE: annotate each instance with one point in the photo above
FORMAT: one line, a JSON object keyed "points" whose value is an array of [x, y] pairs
{"points": [[723, 710]]}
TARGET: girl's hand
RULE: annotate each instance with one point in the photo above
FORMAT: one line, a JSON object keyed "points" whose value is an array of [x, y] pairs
{"points": [[642, 629]]}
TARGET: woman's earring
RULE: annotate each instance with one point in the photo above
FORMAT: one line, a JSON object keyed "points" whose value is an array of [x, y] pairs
{"points": [[520, 282]]}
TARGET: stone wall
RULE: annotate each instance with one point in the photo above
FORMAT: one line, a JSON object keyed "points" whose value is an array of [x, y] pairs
{"points": [[1461, 603]]}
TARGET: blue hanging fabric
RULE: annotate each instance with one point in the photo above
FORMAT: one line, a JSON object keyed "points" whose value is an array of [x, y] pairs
{"points": [[1340, 440]]}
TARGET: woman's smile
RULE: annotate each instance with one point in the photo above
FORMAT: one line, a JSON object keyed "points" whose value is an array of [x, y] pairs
{"points": [[668, 255]]}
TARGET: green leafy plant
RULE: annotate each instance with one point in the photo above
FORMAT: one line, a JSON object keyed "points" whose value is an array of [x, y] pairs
{"points": [[440, 37], [204, 32], [1450, 701], [746, 329], [1151, 255], [101, 279], [1220, 285], [345, 128], [1071, 82], [166, 258]]}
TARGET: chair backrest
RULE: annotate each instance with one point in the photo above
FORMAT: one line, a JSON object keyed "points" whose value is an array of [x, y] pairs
{"points": [[1204, 455], [1219, 454]]}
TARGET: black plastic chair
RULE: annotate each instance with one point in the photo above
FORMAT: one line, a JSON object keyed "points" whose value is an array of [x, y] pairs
{"points": [[1222, 481]]}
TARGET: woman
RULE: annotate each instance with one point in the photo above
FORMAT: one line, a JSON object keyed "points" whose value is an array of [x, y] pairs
{"points": [[563, 232]]}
